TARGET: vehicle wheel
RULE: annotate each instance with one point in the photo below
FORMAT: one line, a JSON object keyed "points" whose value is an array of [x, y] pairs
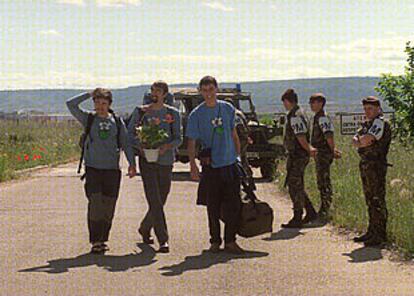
{"points": [[268, 170]]}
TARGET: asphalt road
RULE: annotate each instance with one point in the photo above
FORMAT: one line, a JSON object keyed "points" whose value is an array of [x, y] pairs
{"points": [[44, 248]]}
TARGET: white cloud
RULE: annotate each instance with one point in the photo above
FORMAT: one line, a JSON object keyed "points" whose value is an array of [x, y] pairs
{"points": [[52, 33], [217, 5], [117, 3], [177, 58], [72, 2]]}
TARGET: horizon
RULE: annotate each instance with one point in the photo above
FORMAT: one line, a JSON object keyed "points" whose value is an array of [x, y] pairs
{"points": [[80, 44], [194, 83]]}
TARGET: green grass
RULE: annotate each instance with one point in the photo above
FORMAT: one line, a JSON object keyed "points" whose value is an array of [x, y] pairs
{"points": [[27, 144], [349, 210]]}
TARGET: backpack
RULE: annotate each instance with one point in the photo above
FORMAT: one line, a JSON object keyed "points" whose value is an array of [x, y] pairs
{"points": [[85, 134]]}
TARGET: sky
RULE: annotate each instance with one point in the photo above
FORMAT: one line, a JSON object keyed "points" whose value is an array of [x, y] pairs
{"points": [[121, 43]]}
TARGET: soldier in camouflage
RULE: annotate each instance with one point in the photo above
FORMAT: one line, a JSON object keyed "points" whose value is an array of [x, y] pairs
{"points": [[322, 139], [296, 142], [373, 141]]}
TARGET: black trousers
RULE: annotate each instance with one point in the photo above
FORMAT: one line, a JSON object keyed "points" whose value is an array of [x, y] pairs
{"points": [[223, 201], [102, 190]]}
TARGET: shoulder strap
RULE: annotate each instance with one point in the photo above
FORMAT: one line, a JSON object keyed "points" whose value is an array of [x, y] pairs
{"points": [[119, 127], [171, 124], [88, 127]]}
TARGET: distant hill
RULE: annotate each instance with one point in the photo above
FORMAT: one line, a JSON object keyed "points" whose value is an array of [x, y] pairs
{"points": [[344, 94]]}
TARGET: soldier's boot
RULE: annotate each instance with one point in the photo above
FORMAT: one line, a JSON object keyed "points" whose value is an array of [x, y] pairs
{"points": [[323, 213], [378, 237], [311, 214], [296, 221], [363, 238]]}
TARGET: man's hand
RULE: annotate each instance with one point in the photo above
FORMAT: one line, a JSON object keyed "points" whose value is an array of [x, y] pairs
{"points": [[132, 171], [337, 154], [195, 172], [313, 151], [356, 142]]}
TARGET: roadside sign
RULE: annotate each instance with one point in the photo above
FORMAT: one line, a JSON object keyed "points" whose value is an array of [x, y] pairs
{"points": [[351, 122]]}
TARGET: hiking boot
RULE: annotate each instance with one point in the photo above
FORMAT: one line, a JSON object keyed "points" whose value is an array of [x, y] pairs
{"points": [[363, 238], [233, 248], [311, 214], [164, 248], [295, 222], [375, 241], [214, 248], [146, 237]]}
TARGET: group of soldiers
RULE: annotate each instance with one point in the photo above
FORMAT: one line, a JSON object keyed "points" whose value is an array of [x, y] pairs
{"points": [[303, 140]]}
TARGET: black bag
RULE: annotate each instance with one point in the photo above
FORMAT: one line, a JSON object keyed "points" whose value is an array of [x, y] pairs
{"points": [[256, 216]]}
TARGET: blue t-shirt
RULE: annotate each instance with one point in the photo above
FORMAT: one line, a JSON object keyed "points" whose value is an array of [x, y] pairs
{"points": [[204, 120]]}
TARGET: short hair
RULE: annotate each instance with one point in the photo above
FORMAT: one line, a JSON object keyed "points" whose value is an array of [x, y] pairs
{"points": [[290, 95], [371, 100], [318, 97], [102, 93], [207, 80], [160, 84]]}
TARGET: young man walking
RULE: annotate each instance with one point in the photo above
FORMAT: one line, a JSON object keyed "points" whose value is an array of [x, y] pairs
{"points": [[213, 124]]}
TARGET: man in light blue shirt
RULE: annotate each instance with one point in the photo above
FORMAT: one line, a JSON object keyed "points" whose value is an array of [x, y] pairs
{"points": [[213, 124]]}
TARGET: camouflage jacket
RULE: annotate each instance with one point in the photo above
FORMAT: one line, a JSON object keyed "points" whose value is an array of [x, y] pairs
{"points": [[381, 130], [321, 130], [296, 125]]}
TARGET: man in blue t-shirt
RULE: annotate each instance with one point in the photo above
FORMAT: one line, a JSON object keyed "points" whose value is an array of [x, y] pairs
{"points": [[212, 123]]}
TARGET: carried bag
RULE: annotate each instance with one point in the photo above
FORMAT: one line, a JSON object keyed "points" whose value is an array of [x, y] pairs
{"points": [[256, 216]]}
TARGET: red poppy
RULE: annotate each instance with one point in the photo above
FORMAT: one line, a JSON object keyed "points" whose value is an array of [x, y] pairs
{"points": [[19, 158], [26, 157]]}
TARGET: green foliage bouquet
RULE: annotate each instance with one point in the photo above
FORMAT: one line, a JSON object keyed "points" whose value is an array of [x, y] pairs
{"points": [[151, 135]]}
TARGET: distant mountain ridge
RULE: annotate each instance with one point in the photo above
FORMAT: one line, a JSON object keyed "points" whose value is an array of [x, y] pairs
{"points": [[344, 94]]}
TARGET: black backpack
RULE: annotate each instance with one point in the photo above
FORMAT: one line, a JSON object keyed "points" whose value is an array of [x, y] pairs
{"points": [[85, 134]]}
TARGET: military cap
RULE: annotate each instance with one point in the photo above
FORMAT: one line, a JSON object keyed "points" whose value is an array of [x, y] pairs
{"points": [[318, 97], [371, 100]]}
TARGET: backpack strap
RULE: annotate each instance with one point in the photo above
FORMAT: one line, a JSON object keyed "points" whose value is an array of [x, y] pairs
{"points": [[119, 127], [88, 127]]}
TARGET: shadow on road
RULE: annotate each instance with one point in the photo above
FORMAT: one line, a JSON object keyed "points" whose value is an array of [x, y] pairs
{"points": [[284, 234], [364, 254], [206, 260], [110, 263]]}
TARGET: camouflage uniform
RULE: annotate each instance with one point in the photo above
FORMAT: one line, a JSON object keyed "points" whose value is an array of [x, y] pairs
{"points": [[373, 168], [297, 160], [323, 129], [243, 133]]}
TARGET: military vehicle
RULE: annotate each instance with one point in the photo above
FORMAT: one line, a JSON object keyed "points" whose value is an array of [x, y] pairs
{"points": [[266, 149]]}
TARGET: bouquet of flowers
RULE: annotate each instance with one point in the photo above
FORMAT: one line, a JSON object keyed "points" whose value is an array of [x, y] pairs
{"points": [[151, 137]]}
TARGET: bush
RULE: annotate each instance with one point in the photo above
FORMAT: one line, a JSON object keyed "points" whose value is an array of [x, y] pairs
{"points": [[398, 92]]}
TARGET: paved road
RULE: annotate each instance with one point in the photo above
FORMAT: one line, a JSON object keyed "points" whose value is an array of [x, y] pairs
{"points": [[44, 249]]}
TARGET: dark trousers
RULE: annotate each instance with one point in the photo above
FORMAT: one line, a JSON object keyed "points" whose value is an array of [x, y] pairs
{"points": [[373, 175], [323, 176], [295, 167], [157, 183], [223, 201], [102, 190]]}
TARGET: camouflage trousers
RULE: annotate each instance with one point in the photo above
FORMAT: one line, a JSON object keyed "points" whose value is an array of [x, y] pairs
{"points": [[373, 175], [295, 167], [323, 163]]}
